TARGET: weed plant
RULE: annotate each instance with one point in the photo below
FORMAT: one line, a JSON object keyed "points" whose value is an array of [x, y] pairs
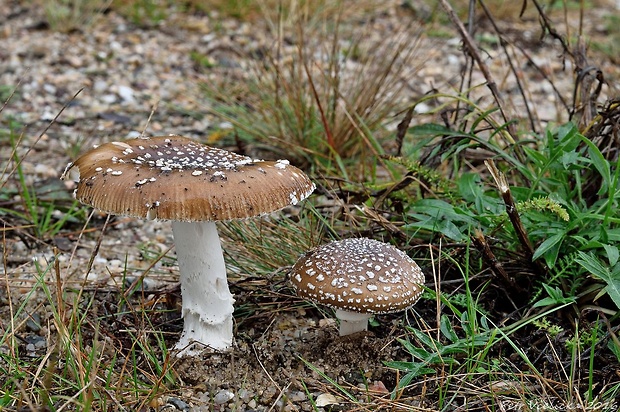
{"points": [[536, 223]]}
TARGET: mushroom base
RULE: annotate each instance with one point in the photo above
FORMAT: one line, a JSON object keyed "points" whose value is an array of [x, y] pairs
{"points": [[352, 322], [207, 306]]}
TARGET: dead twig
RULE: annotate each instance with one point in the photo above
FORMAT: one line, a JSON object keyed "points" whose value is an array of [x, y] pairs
{"points": [[513, 213], [497, 268], [473, 51]]}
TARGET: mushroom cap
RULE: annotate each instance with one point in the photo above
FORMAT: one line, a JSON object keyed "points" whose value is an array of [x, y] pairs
{"points": [[176, 178], [358, 275]]}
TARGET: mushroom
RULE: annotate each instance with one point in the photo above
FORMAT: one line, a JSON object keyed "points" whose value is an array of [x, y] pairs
{"points": [[193, 185], [358, 277]]}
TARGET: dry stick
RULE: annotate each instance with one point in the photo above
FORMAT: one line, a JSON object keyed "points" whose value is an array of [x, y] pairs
{"points": [[544, 75], [511, 207], [549, 28], [513, 213], [474, 53], [402, 128], [315, 94], [503, 43], [468, 70], [44, 131], [489, 257], [328, 132], [148, 121]]}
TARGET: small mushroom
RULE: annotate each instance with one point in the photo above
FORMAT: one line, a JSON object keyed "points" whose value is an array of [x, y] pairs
{"points": [[193, 185], [358, 278]]}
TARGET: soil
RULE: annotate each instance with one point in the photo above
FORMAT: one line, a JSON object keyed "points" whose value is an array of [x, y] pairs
{"points": [[119, 71]]}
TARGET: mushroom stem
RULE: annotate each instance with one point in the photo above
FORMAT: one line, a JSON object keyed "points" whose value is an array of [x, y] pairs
{"points": [[352, 322], [207, 301]]}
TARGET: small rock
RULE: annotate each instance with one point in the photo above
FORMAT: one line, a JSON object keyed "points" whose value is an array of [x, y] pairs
{"points": [[244, 395], [223, 396], [49, 88], [133, 134], [108, 98], [179, 404], [297, 396], [126, 93], [326, 399], [33, 324]]}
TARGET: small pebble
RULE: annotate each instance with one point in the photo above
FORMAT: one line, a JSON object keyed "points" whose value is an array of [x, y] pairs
{"points": [[179, 404], [126, 93], [33, 324], [223, 396]]}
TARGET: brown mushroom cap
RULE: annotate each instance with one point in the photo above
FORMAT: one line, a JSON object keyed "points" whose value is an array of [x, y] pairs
{"points": [[176, 178], [358, 275]]}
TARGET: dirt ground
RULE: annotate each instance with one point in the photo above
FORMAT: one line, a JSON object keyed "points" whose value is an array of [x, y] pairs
{"points": [[285, 355]]}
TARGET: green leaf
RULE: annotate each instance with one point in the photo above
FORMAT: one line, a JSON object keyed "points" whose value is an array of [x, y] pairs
{"points": [[596, 268], [556, 297], [469, 186], [424, 338], [569, 159], [549, 249], [430, 129], [615, 349], [447, 330], [612, 254], [600, 163]]}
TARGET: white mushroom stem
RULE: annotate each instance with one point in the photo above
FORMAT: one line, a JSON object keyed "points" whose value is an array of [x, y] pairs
{"points": [[352, 322], [207, 302]]}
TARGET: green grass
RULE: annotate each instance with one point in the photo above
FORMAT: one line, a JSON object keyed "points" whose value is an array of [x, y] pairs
{"points": [[85, 367], [44, 209]]}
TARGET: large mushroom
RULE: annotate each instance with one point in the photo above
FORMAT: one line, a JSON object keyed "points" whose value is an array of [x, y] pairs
{"points": [[193, 185], [358, 278]]}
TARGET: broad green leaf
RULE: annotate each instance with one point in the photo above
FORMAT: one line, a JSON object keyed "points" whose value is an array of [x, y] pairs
{"points": [[469, 186], [556, 297], [600, 163], [447, 330], [422, 337], [612, 254], [615, 349], [612, 279], [430, 129], [549, 249]]}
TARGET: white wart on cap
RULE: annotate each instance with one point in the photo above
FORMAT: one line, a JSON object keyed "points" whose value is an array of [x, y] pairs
{"points": [[361, 275]]}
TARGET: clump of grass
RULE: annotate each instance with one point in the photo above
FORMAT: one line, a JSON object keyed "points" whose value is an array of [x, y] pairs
{"points": [[43, 208], [85, 367], [69, 15], [143, 13], [325, 97]]}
